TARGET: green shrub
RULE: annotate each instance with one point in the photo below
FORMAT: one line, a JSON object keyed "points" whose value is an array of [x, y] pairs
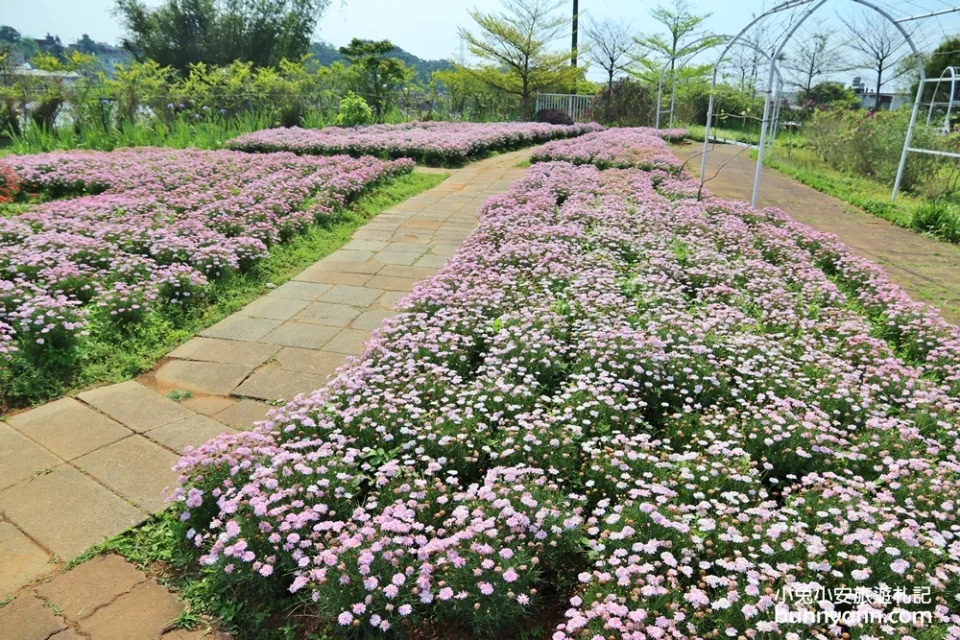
{"points": [[354, 111], [939, 218], [870, 145]]}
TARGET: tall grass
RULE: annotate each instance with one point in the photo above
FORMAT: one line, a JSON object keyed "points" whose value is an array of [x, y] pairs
{"points": [[211, 133]]}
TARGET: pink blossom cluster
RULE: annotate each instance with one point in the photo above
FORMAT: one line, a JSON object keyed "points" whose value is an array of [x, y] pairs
{"points": [[670, 135], [622, 410], [619, 148], [433, 143], [155, 228]]}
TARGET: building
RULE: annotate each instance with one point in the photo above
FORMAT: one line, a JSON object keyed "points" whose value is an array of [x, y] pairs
{"points": [[886, 100]]}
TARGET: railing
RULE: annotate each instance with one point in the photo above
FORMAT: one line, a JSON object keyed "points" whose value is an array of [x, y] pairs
{"points": [[574, 106]]}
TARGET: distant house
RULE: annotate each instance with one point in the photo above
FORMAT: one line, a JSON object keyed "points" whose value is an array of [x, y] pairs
{"points": [[886, 100], [112, 56]]}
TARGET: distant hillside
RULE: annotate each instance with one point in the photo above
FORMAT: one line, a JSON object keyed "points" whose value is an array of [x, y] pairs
{"points": [[325, 53]]}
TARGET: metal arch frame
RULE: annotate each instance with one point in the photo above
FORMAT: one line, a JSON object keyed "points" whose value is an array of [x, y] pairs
{"points": [[814, 6], [953, 92]]}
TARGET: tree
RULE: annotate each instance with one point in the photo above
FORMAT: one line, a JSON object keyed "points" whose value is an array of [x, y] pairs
{"points": [[378, 76], [947, 54], [86, 45], [881, 48], [179, 33], [514, 48], [813, 57], [684, 37], [9, 35], [829, 94], [612, 44]]}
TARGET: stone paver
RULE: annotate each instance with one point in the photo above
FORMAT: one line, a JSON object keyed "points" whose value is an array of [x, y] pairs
{"points": [[322, 363], [192, 431], [142, 614], [238, 327], [22, 560], [205, 377], [21, 458], [349, 295], [251, 354], [135, 468], [300, 334], [66, 511], [78, 593], [328, 313], [274, 383], [29, 618], [68, 428], [243, 414], [349, 341], [135, 406]]}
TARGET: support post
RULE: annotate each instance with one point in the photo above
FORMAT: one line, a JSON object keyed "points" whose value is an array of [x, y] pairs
{"points": [[761, 146], [706, 134], [907, 142]]}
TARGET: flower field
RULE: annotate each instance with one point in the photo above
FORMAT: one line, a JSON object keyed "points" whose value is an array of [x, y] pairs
{"points": [[156, 229], [433, 143], [617, 412], [623, 148]]}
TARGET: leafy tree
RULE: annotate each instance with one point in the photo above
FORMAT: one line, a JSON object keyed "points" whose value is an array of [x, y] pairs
{"points": [[612, 45], [514, 47], [86, 45], [829, 94], [378, 76], [179, 33], [9, 35], [684, 36], [947, 54]]}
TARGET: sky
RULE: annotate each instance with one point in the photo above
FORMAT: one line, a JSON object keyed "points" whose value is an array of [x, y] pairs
{"points": [[426, 28]]}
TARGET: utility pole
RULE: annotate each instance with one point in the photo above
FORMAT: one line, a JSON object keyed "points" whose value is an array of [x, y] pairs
{"points": [[573, 40]]}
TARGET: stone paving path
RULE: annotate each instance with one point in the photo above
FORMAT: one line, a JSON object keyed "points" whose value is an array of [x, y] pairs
{"points": [[927, 268], [79, 470]]}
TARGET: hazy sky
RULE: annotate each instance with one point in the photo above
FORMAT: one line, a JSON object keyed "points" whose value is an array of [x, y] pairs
{"points": [[427, 28]]}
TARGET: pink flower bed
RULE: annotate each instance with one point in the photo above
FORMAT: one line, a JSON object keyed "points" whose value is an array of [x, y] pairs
{"points": [[160, 226], [442, 143], [644, 415], [624, 148]]}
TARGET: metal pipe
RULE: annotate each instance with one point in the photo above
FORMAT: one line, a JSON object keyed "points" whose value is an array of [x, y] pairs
{"points": [[906, 143], [932, 14], [766, 102]]}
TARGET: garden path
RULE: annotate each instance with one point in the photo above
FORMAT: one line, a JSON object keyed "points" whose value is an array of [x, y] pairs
{"points": [[82, 469], [927, 268]]}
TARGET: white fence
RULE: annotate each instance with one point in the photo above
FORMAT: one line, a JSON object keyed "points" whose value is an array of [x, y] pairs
{"points": [[574, 106]]}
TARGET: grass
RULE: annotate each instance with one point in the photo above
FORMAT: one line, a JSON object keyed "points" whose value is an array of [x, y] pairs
{"points": [[114, 356]]}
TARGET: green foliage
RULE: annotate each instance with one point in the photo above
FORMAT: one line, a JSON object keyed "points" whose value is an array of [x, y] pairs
{"points": [[354, 111], [832, 95], [870, 144], [513, 47], [626, 104], [376, 76], [939, 218], [181, 33]]}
